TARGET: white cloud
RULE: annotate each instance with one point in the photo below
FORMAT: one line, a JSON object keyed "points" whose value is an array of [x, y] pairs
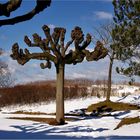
{"points": [[51, 26], [78, 75], [32, 71], [97, 15], [5, 54], [35, 65], [103, 15], [27, 73]]}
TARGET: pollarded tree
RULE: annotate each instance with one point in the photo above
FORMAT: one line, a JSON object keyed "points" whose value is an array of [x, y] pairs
{"points": [[12, 5], [127, 35], [54, 50]]}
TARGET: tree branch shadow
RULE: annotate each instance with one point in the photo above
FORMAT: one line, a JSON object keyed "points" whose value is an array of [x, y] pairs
{"points": [[43, 131]]}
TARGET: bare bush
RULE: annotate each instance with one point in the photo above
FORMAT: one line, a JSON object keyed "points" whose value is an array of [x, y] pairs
{"points": [[37, 93]]}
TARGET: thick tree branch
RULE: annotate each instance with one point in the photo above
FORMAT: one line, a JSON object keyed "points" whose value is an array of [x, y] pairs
{"points": [[58, 38], [79, 53], [38, 42], [78, 56], [68, 45], [8, 7], [40, 6], [22, 58], [56, 42], [46, 30], [99, 52], [86, 42], [62, 38], [78, 37]]}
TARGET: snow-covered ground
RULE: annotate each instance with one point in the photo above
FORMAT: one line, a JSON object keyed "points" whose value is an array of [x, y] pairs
{"points": [[83, 128]]}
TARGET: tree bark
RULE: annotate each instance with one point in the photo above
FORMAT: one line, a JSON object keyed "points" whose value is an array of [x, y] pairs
{"points": [[60, 94], [109, 80]]}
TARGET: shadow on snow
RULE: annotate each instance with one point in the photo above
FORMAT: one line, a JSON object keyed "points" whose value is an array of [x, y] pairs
{"points": [[42, 131]]}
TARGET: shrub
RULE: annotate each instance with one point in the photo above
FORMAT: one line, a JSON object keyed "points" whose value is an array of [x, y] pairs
{"points": [[35, 93]]}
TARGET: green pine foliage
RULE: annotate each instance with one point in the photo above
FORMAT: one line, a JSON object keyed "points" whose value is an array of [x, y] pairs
{"points": [[127, 35]]}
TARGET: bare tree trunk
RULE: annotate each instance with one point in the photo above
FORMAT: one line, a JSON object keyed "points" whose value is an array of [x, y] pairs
{"points": [[60, 95], [109, 80]]}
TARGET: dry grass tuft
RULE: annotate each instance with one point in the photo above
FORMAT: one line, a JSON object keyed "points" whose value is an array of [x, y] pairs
{"points": [[29, 113], [128, 121], [108, 106], [50, 121]]}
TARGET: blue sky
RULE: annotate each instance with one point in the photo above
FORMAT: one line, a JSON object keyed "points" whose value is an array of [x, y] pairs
{"points": [[63, 13]]}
